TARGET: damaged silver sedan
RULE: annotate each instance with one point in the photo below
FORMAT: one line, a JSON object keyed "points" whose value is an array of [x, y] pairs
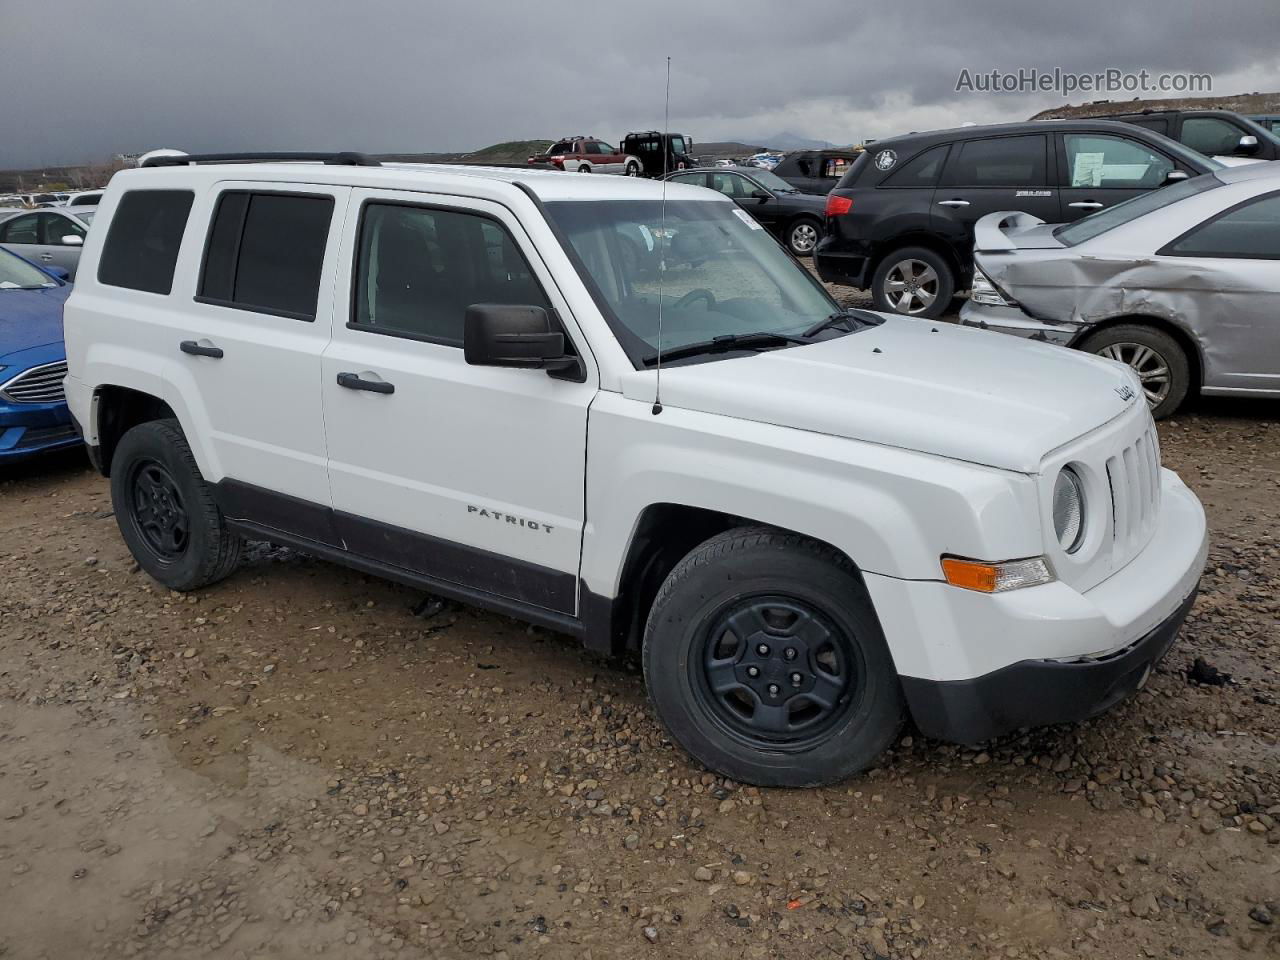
{"points": [[1182, 284]]}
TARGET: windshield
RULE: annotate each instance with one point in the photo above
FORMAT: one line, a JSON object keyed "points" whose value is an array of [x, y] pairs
{"points": [[724, 274], [17, 274], [1086, 228], [771, 181]]}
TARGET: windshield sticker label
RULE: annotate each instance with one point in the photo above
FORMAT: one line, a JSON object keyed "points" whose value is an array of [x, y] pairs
{"points": [[1033, 193], [885, 159], [747, 219]]}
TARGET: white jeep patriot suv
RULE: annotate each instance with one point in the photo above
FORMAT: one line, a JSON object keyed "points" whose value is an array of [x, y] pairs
{"points": [[813, 523]]}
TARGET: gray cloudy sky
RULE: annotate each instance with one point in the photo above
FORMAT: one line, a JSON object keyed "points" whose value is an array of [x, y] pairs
{"points": [[88, 78]]}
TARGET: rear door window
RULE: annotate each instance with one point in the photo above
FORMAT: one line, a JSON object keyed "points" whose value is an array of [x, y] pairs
{"points": [[265, 252], [999, 162], [142, 243], [1250, 231]]}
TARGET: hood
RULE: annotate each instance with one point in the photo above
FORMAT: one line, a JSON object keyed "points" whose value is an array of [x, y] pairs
{"points": [[31, 318], [932, 387], [1011, 230]]}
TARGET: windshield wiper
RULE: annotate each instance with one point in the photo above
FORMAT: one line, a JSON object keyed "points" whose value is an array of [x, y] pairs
{"points": [[722, 344], [852, 320]]}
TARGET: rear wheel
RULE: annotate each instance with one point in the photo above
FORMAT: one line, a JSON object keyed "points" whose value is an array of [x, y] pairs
{"points": [[584, 169], [633, 169], [803, 235], [165, 510], [765, 660], [914, 281], [1158, 360]]}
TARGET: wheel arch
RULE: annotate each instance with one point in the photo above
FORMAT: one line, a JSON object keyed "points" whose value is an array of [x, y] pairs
{"points": [[1189, 343], [663, 534], [116, 410]]}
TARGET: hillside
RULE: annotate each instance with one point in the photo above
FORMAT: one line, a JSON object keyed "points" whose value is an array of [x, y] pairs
{"points": [[1246, 103]]}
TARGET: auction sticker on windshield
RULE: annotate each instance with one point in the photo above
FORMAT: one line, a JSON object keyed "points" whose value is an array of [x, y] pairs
{"points": [[747, 219]]}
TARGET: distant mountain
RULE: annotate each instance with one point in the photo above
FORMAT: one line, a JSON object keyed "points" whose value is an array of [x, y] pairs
{"points": [[787, 141]]}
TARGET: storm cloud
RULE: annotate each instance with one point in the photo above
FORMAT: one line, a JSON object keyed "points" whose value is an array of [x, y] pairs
{"points": [[382, 76]]}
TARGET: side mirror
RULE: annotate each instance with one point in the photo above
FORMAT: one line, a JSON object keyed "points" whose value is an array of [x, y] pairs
{"points": [[60, 272], [760, 195], [1247, 146], [1173, 176], [500, 335], [73, 240]]}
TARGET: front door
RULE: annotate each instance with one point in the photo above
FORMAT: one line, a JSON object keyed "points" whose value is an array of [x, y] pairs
{"points": [[467, 474], [991, 174], [1097, 171]]}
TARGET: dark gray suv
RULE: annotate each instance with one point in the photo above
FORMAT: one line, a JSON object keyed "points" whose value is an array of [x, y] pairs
{"points": [[900, 222]]}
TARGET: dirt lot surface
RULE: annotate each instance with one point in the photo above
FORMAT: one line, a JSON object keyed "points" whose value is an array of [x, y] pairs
{"points": [[292, 763]]}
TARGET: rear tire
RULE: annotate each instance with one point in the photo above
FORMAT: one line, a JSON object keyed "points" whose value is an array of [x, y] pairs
{"points": [[633, 169], [1156, 357], [584, 169], [166, 512], [913, 281], [824, 699]]}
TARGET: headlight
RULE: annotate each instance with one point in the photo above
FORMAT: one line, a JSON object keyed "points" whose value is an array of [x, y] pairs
{"points": [[1068, 509], [982, 290]]}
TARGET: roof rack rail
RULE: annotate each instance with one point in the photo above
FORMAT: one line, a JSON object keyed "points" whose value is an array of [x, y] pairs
{"points": [[344, 159]]}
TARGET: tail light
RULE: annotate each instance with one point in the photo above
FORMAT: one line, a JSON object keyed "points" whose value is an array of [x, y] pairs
{"points": [[837, 205]]}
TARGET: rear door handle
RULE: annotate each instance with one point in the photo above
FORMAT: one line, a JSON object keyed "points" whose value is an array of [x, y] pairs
{"points": [[953, 203], [354, 382], [200, 350], [1086, 205]]}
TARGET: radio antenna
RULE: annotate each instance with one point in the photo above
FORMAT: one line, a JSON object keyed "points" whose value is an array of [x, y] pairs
{"points": [[662, 238]]}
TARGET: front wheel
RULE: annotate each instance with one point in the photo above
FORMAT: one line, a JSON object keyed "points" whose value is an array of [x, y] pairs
{"points": [[584, 169], [765, 660], [1160, 363], [914, 281], [165, 510], [802, 236]]}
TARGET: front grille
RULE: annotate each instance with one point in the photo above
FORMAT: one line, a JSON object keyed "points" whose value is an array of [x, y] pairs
{"points": [[1134, 476], [37, 385]]}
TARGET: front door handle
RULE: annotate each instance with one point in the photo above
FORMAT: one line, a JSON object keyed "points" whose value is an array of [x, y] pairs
{"points": [[953, 203], [353, 381], [197, 349], [1086, 205], [47, 257]]}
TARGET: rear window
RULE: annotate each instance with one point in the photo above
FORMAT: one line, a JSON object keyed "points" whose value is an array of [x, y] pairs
{"points": [[999, 162], [1099, 223], [142, 242], [265, 252], [920, 171]]}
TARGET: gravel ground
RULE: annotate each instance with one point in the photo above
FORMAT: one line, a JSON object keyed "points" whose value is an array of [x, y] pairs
{"points": [[292, 763]]}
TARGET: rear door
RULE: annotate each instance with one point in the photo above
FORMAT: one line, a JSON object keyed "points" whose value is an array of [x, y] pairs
{"points": [[1101, 170], [246, 348], [994, 173], [1235, 255]]}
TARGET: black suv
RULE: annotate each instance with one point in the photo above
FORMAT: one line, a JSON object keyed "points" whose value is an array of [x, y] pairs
{"points": [[648, 146], [1214, 133], [901, 220], [815, 171]]}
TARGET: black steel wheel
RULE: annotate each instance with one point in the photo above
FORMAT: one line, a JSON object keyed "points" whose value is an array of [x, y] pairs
{"points": [[765, 660], [776, 672], [157, 511]]}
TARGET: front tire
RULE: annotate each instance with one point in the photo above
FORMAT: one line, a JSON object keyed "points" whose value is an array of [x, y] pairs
{"points": [[584, 169], [913, 281], [802, 236], [166, 512], [1158, 360], [765, 660]]}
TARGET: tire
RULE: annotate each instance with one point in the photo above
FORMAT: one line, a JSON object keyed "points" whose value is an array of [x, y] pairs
{"points": [[913, 281], [802, 236], [633, 169], [768, 582], [166, 512], [1156, 357], [584, 169]]}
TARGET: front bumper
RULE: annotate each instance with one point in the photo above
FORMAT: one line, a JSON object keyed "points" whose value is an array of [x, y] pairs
{"points": [[1014, 321], [30, 429], [976, 665]]}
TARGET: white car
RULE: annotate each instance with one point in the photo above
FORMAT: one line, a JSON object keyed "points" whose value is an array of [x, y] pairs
{"points": [[637, 422]]}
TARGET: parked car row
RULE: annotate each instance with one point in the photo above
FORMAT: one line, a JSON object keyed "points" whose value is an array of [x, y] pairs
{"points": [[649, 154]]}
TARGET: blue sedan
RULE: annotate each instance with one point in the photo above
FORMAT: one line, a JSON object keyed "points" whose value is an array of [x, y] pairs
{"points": [[33, 361]]}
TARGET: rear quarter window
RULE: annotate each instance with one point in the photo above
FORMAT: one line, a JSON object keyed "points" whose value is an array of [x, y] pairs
{"points": [[142, 242]]}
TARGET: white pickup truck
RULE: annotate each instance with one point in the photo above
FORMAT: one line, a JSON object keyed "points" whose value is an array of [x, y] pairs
{"points": [[812, 523]]}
